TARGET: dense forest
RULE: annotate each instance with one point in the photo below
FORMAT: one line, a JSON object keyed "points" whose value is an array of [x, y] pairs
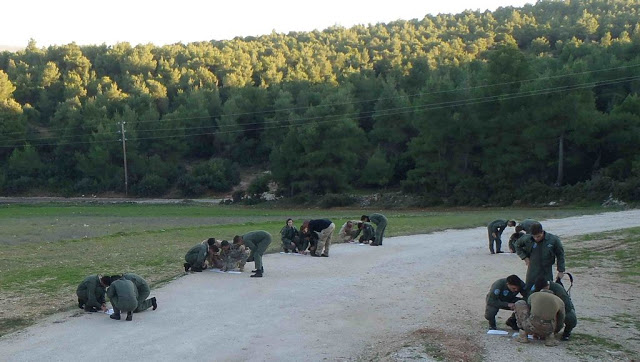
{"points": [[532, 104]]}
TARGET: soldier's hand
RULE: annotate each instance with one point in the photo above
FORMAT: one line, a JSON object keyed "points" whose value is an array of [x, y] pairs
{"points": [[526, 261], [560, 275], [511, 305]]}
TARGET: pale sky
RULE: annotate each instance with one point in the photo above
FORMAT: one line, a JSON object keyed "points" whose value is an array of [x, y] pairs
{"points": [[166, 22]]}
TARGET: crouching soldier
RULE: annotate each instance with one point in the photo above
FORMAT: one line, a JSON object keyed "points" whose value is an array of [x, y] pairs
{"points": [[91, 293], [196, 256], [347, 232], [257, 242], [233, 255], [503, 295], [542, 317], [143, 292], [124, 298], [512, 240], [289, 237], [380, 221], [570, 319], [213, 259], [368, 233]]}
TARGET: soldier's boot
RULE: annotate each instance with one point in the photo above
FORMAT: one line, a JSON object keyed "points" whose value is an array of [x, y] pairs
{"points": [[550, 340], [492, 324], [512, 322], [566, 335], [89, 309], [256, 270], [80, 304], [116, 314], [257, 275], [187, 266], [129, 316], [522, 337], [154, 303]]}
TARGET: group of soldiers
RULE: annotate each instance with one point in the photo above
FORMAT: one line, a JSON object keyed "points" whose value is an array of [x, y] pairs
{"points": [[545, 307], [127, 293], [314, 237]]}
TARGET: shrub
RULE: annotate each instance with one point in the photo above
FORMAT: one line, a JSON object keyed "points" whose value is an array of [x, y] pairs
{"points": [[150, 185], [337, 200]]}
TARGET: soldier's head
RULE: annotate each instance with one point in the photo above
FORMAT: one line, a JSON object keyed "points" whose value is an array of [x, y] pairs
{"points": [[537, 232], [360, 225], [107, 280], [238, 240], [349, 224], [224, 245], [519, 228], [211, 241], [514, 283], [289, 222], [511, 223], [541, 283], [365, 218], [305, 225]]}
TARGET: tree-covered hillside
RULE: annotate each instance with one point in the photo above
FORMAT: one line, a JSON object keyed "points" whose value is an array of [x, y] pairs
{"points": [[520, 103]]}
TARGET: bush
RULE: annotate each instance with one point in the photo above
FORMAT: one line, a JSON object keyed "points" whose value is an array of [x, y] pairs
{"points": [[189, 186], [337, 200], [259, 185], [150, 185]]}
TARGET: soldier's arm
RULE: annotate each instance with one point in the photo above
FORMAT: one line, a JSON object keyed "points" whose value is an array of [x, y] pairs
{"points": [[560, 319], [519, 245], [91, 293], [493, 298]]}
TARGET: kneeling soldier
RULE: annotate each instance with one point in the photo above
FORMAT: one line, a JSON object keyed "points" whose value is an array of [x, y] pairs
{"points": [[143, 292], [91, 293], [124, 298]]}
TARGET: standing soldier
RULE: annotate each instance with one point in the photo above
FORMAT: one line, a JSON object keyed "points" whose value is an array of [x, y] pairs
{"points": [[544, 318], [503, 295], [257, 242], [143, 292], [570, 319], [495, 229], [196, 256], [124, 298], [91, 293], [539, 251], [324, 228], [380, 221], [289, 237], [233, 255]]}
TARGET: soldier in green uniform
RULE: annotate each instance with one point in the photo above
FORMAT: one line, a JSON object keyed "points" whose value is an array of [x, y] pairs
{"points": [[570, 319], [143, 292], [539, 250], [91, 292], [368, 232], [512, 240], [542, 316], [495, 229], [380, 221], [233, 255], [525, 225], [289, 237], [257, 242], [197, 255], [124, 298], [503, 295]]}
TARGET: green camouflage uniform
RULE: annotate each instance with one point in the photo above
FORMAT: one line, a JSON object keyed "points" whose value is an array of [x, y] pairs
{"points": [[197, 255], [90, 292], [496, 227], [381, 224], [123, 296], [543, 315], [143, 291], [236, 256], [541, 256], [289, 235], [257, 242], [499, 297]]}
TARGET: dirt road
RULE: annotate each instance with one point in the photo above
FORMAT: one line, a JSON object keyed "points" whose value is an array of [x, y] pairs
{"points": [[337, 308]]}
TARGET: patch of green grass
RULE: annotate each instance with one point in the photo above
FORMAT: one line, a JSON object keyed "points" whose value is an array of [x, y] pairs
{"points": [[627, 320], [595, 341]]}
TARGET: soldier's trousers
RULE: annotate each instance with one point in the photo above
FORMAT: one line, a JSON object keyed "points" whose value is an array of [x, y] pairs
{"points": [[324, 240], [532, 324], [143, 302], [83, 298], [380, 227], [495, 240], [490, 312], [257, 250]]}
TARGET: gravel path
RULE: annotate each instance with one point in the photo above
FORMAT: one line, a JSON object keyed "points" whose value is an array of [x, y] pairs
{"points": [[336, 308]]}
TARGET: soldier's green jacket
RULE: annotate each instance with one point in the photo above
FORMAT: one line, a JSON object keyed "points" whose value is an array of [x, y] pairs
{"points": [[123, 295], [497, 226], [197, 255], [92, 291], [500, 296], [541, 256], [526, 225], [368, 232], [288, 233], [141, 285], [561, 293]]}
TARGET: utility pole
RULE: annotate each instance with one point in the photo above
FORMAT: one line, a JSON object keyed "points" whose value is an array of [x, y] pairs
{"points": [[124, 152]]}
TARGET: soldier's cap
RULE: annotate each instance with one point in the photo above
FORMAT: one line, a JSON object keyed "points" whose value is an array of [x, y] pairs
{"points": [[224, 243]]}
